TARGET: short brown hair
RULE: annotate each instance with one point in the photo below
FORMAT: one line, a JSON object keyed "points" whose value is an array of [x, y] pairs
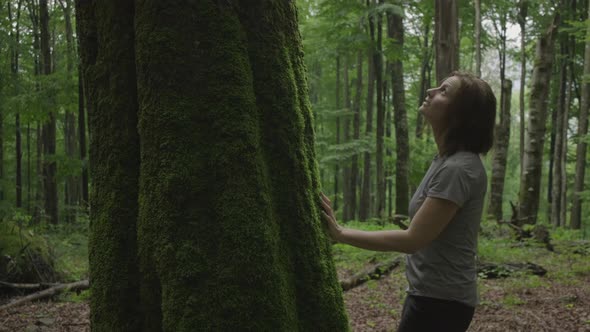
{"points": [[472, 118]]}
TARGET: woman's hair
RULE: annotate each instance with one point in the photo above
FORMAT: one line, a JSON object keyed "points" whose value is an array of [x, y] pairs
{"points": [[472, 117]]}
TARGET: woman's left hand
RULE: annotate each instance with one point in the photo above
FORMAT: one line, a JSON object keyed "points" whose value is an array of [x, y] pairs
{"points": [[330, 219]]}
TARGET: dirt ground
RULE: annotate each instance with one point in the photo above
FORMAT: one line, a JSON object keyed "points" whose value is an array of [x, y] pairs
{"points": [[376, 306]]}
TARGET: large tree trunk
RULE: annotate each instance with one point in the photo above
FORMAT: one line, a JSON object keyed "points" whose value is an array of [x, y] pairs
{"points": [[402, 187], [533, 158], [502, 141], [108, 63], [229, 234], [48, 131], [521, 18], [356, 134], [365, 202], [558, 150], [380, 125], [446, 35], [259, 138], [576, 212]]}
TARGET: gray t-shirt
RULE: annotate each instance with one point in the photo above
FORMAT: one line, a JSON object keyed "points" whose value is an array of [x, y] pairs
{"points": [[445, 269]]}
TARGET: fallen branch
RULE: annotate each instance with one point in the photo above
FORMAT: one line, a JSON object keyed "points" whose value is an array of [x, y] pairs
{"points": [[26, 286], [60, 288], [372, 272], [537, 232], [494, 271]]}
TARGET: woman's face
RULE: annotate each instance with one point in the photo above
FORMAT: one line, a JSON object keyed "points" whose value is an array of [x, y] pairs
{"points": [[436, 105]]}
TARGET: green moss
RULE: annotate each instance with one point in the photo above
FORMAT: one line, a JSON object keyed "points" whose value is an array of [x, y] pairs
{"points": [[228, 230], [114, 165]]}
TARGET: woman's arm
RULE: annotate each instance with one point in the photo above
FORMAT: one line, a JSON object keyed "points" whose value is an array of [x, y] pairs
{"points": [[430, 220]]}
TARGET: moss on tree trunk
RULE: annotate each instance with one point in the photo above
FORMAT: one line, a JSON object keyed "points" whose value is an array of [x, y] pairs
{"points": [[106, 39], [205, 190]]}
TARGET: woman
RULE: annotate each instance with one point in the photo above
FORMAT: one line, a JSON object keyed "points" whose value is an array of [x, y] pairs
{"points": [[445, 211]]}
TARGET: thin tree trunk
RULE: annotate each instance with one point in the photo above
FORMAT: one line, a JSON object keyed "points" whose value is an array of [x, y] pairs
{"points": [[36, 212], [502, 130], [337, 167], [48, 132], [15, 54], [581, 148], [388, 152], [380, 170], [356, 135], [446, 34], [346, 186], [72, 185], [501, 144], [558, 125], [402, 187], [82, 137], [29, 168], [425, 74], [478, 38], [521, 18], [531, 179], [365, 202]]}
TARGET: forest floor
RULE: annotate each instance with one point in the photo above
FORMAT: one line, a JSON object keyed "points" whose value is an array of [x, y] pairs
{"points": [[558, 301], [376, 306]]}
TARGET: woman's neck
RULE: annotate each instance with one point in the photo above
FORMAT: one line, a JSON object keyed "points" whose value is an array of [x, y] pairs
{"points": [[439, 138]]}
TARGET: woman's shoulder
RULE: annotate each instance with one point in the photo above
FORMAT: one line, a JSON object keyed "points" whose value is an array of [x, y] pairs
{"points": [[467, 161]]}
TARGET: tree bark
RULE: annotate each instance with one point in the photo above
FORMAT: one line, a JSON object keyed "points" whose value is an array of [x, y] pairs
{"points": [[533, 158], [581, 148], [229, 234], [521, 18], [14, 66], [108, 64], [402, 187], [48, 131], [446, 35], [425, 74], [501, 144], [346, 185], [82, 106], [558, 151], [380, 125], [354, 173], [72, 185], [502, 130], [478, 38], [337, 167], [365, 202]]}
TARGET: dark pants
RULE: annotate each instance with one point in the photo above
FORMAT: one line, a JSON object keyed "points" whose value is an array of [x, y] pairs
{"points": [[426, 314]]}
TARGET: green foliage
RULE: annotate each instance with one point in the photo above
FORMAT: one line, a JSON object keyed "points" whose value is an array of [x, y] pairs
{"points": [[354, 259], [25, 256]]}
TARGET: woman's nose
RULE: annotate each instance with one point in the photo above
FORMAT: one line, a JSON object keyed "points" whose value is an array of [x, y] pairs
{"points": [[430, 92]]}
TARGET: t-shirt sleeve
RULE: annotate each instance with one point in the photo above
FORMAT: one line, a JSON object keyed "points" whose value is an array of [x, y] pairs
{"points": [[450, 182]]}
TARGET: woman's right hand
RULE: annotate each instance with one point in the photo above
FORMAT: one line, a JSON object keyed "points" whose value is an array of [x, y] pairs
{"points": [[330, 219]]}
